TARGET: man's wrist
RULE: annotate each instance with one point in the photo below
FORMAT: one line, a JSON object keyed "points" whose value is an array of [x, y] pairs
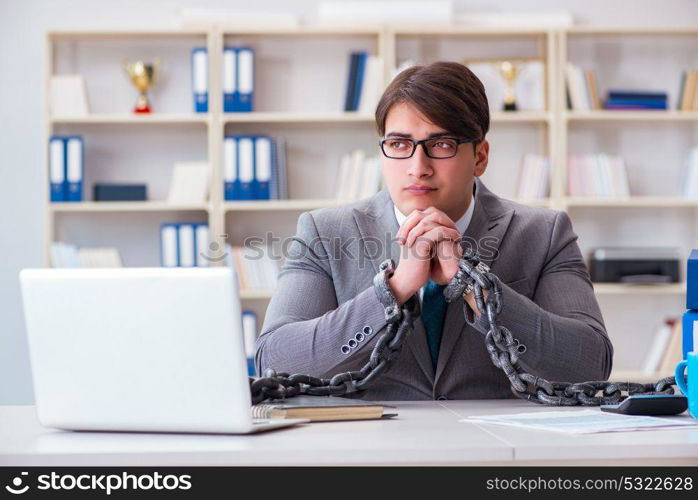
{"points": [[401, 293]]}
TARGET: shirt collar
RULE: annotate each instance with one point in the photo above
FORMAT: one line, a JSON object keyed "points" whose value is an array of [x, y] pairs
{"points": [[461, 224]]}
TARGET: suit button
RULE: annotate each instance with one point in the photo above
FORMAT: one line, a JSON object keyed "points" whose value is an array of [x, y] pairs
{"points": [[367, 330], [442, 398]]}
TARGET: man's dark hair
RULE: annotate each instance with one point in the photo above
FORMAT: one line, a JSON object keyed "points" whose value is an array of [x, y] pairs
{"points": [[448, 94]]}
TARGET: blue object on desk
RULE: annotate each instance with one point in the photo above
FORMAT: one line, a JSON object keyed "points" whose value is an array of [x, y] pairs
{"points": [[692, 280], [690, 331]]}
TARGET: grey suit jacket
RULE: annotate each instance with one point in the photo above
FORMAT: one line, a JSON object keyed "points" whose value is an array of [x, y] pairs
{"points": [[325, 295]]}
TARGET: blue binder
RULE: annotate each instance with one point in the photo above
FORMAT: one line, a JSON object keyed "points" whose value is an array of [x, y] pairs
{"points": [[74, 158], [245, 80], [230, 79], [351, 81], [360, 71], [263, 167], [199, 79], [249, 332], [56, 157], [692, 280], [231, 183], [245, 164]]}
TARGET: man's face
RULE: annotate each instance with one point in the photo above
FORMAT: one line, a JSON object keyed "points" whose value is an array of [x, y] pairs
{"points": [[447, 183]]}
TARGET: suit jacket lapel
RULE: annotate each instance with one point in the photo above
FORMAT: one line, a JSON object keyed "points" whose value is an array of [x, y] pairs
{"points": [[484, 235]]}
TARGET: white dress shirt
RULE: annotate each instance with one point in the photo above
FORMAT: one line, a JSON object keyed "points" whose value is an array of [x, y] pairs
{"points": [[461, 224]]}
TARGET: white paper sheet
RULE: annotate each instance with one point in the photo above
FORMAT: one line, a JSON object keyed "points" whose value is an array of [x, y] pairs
{"points": [[585, 421]]}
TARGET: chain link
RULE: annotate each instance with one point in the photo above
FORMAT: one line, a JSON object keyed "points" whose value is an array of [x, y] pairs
{"points": [[504, 351], [278, 385]]}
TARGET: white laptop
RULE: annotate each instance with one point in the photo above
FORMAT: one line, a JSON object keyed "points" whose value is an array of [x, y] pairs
{"points": [[139, 349]]}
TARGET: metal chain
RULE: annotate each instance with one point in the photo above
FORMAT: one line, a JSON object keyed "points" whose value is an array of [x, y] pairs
{"points": [[503, 348], [278, 385]]}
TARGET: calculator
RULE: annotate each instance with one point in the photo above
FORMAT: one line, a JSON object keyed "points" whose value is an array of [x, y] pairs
{"points": [[655, 404]]}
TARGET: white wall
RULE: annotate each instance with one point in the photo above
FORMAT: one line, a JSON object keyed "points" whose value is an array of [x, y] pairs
{"points": [[22, 25]]}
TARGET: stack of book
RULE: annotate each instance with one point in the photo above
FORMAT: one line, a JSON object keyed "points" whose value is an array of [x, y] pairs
{"points": [[359, 176], [582, 89], [688, 92], [323, 409], [67, 255], [690, 181], [364, 82], [254, 168], [256, 269], [636, 99], [534, 178], [597, 175]]}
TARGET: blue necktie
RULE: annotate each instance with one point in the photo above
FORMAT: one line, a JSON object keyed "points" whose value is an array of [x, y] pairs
{"points": [[433, 313]]}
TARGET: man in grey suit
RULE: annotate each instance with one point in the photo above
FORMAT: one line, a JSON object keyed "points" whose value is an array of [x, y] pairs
{"points": [[325, 316]]}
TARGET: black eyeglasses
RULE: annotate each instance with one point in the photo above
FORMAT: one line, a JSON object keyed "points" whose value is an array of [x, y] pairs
{"points": [[439, 148]]}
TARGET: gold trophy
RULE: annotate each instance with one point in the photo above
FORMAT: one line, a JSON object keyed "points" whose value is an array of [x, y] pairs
{"points": [[143, 75], [509, 72]]}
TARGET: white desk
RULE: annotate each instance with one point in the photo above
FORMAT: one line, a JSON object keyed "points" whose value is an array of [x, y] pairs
{"points": [[424, 433]]}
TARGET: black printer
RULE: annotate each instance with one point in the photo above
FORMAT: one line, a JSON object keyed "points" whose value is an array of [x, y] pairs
{"points": [[635, 265]]}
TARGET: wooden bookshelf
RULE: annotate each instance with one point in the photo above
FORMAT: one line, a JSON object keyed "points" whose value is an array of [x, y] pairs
{"points": [[551, 131]]}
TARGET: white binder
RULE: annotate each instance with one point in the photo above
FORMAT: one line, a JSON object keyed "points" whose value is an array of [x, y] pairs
{"points": [[168, 245], [186, 245]]}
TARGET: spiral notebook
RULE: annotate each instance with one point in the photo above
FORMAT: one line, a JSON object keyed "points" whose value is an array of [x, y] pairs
{"points": [[323, 409]]}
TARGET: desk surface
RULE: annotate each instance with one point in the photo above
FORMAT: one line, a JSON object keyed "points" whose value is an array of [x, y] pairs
{"points": [[424, 433]]}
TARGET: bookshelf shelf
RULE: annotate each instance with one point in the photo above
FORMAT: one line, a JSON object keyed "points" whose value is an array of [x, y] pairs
{"points": [[282, 117], [323, 31], [649, 289], [127, 119], [477, 31], [521, 116], [256, 294], [640, 115], [62, 35], [630, 31], [278, 205], [126, 206], [632, 202]]}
